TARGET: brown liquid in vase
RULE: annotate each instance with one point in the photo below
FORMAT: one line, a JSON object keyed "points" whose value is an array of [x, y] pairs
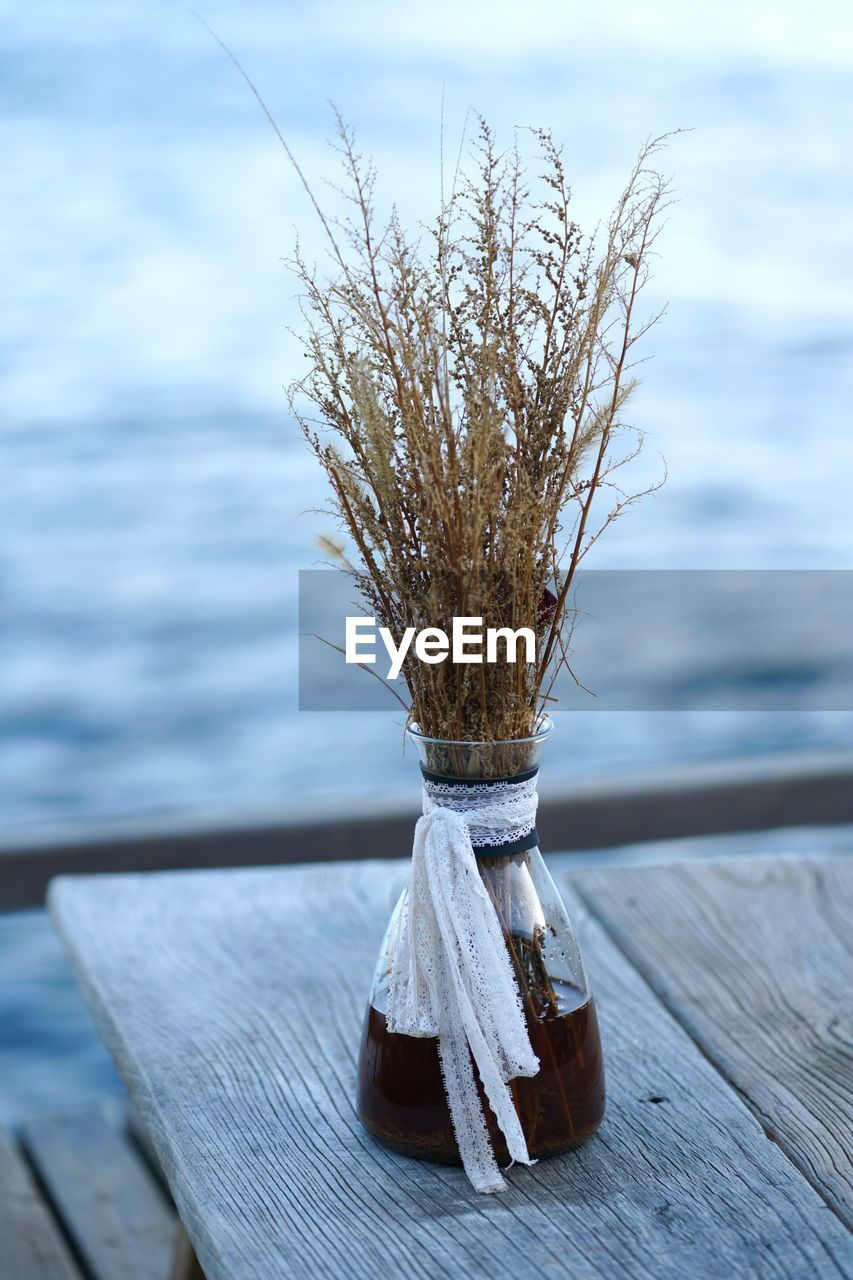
{"points": [[401, 1098]]}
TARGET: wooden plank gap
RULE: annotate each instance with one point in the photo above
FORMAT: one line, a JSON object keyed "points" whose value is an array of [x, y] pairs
{"points": [[110, 1208], [36, 1245]]}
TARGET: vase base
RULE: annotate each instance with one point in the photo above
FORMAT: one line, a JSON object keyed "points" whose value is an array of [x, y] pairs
{"points": [[402, 1103], [414, 1150]]}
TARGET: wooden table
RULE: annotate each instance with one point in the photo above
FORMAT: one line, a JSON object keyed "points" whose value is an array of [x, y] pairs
{"points": [[232, 1004]]}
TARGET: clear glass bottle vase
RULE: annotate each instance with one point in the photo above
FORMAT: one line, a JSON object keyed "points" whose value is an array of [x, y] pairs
{"points": [[401, 1098]]}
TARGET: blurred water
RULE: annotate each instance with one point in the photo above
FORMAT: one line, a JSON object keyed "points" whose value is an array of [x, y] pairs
{"points": [[151, 524]]}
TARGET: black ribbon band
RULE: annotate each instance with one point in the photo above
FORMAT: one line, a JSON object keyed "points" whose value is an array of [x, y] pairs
{"points": [[476, 782], [520, 845]]}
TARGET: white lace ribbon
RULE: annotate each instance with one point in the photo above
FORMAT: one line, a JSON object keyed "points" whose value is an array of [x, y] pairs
{"points": [[451, 974]]}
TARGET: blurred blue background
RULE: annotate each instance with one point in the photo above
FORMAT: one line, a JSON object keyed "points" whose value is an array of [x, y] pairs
{"points": [[157, 500], [154, 514]]}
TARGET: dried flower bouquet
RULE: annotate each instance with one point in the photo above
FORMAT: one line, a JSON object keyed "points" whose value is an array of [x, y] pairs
{"points": [[467, 404]]}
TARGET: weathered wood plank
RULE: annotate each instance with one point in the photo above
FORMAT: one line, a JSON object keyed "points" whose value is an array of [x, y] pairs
{"points": [[31, 1246], [141, 1139], [667, 803], [756, 960], [104, 1196], [232, 1003]]}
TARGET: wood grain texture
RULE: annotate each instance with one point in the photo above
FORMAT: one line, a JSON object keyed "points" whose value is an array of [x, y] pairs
{"points": [[141, 1140], [756, 960], [31, 1246], [107, 1201], [232, 1003]]}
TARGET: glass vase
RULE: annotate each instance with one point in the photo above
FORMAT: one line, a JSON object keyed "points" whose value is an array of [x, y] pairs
{"points": [[401, 1099]]}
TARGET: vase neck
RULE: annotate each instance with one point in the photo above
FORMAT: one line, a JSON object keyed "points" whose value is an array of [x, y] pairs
{"points": [[448, 760], [454, 780], [499, 814]]}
